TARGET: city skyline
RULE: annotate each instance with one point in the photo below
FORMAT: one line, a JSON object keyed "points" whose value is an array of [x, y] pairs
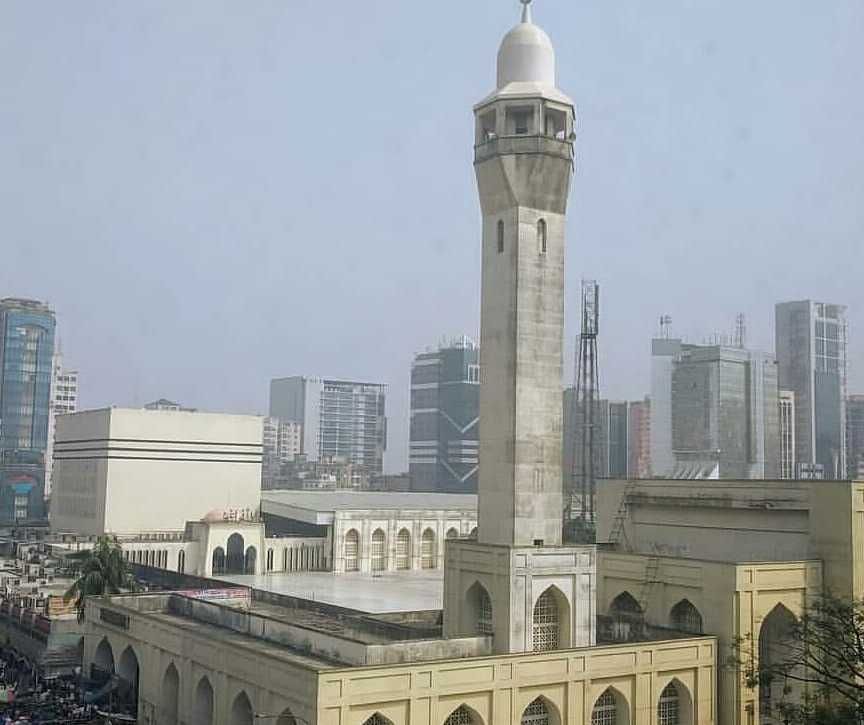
{"points": [[223, 247]]}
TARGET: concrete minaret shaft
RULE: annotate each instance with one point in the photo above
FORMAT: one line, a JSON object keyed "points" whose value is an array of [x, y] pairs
{"points": [[524, 164]]}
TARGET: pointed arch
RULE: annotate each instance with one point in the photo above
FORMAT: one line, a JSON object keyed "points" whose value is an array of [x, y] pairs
{"points": [[675, 706], [181, 561], [235, 554], [286, 717], [202, 709], [218, 560], [463, 715], [776, 635], [479, 607], [551, 621], [241, 710], [540, 712], [250, 560], [403, 550], [625, 603], [686, 618], [128, 671], [610, 708], [428, 550], [473, 534], [103, 661], [379, 550], [269, 560], [377, 719], [170, 695], [352, 550], [452, 533]]}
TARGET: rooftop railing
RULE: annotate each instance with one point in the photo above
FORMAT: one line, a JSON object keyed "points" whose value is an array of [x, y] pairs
{"points": [[515, 145]]}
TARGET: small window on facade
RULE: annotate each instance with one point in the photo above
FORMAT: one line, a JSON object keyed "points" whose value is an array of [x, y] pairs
{"points": [[541, 236], [500, 237]]}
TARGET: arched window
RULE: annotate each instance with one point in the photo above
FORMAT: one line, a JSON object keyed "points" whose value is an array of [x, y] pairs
{"points": [[669, 707], [452, 533], [500, 237], [541, 236], [286, 718], [473, 534], [403, 550], [605, 710], [379, 551], [250, 560], [428, 554], [170, 695], [352, 551], [547, 622], [241, 711], [686, 618], [269, 559], [625, 604], [202, 710], [460, 716], [480, 604], [377, 719], [285, 559], [235, 562], [181, 561], [536, 713], [776, 636]]}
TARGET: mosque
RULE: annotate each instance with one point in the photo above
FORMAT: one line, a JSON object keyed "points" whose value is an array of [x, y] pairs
{"points": [[530, 631]]}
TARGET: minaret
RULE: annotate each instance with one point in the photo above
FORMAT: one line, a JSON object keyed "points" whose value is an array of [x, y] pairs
{"points": [[524, 162], [523, 158]]}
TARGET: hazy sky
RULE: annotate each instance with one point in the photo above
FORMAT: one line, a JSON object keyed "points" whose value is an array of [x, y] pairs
{"points": [[212, 193]]}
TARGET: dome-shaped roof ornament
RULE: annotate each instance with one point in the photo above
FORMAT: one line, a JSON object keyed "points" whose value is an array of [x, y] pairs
{"points": [[526, 54]]}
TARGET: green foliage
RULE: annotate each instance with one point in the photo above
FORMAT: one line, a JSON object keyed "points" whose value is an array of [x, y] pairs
{"points": [[101, 570], [824, 655]]}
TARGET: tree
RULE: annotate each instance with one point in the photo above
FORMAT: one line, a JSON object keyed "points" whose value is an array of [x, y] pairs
{"points": [[101, 570], [823, 654]]}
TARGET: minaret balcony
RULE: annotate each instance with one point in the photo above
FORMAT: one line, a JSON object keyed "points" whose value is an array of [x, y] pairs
{"points": [[523, 144]]}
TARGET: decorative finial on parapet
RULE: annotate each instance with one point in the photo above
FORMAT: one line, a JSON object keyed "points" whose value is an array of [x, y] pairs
{"points": [[526, 11]]}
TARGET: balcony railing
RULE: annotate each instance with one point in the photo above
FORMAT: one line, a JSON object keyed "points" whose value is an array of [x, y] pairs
{"points": [[514, 145]]}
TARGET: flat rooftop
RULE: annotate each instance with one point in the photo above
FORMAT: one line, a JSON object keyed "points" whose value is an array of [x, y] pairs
{"points": [[386, 594], [320, 507]]}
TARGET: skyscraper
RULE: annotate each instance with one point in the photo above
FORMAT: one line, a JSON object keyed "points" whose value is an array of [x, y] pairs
{"points": [[281, 441], [64, 400], [639, 440], [811, 355], [26, 368], [663, 354], [725, 411], [338, 418], [445, 414], [855, 436], [787, 434]]}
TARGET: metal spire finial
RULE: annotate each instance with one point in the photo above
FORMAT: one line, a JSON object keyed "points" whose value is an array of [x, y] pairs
{"points": [[526, 11]]}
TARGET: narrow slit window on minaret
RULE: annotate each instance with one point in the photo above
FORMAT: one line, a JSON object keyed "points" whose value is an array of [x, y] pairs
{"points": [[541, 236], [500, 237]]}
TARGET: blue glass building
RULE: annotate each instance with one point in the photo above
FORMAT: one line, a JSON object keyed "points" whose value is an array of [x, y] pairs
{"points": [[26, 354]]}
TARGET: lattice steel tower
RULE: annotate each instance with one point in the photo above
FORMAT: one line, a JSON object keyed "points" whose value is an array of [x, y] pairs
{"points": [[586, 402]]}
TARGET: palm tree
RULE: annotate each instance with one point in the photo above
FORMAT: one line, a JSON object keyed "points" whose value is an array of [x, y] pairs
{"points": [[101, 570]]}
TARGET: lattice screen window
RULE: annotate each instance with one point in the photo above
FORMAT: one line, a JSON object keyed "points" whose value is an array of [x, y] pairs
{"points": [[461, 716], [403, 550], [352, 546], [379, 551], [605, 710], [668, 711], [686, 618], [536, 713], [484, 614], [377, 719], [546, 623], [427, 550]]}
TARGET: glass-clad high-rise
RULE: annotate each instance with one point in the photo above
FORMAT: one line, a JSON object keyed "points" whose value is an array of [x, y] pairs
{"points": [[26, 364]]}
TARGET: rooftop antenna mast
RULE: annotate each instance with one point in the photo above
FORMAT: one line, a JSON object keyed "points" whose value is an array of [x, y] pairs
{"points": [[586, 401]]}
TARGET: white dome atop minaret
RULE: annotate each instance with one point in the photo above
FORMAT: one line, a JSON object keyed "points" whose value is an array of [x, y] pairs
{"points": [[526, 54]]}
